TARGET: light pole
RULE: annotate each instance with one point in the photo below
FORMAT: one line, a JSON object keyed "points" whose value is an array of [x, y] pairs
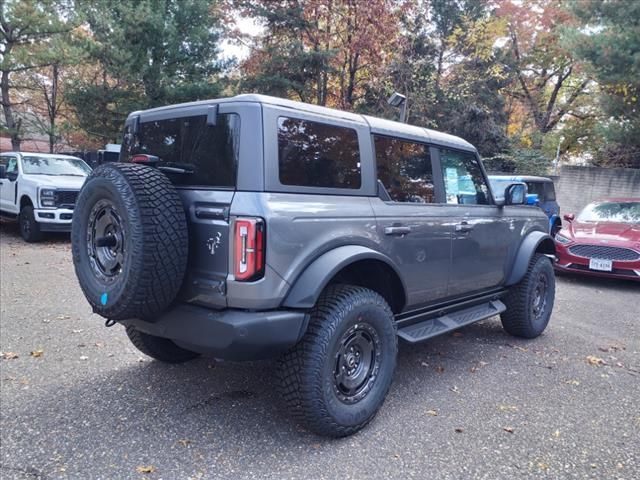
{"points": [[399, 100]]}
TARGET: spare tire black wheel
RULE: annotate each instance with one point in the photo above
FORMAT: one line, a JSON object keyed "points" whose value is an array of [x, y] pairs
{"points": [[129, 241]]}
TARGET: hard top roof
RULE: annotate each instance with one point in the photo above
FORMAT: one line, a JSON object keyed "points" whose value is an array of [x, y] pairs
{"points": [[377, 125], [520, 178]]}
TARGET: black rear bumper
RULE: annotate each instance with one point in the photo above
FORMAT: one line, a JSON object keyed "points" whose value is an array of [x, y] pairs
{"points": [[229, 334]]}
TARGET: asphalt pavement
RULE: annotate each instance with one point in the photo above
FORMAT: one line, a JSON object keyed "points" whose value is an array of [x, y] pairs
{"points": [[79, 401]]}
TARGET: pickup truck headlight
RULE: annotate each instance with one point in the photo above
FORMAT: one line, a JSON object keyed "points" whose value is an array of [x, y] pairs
{"points": [[48, 197], [562, 239]]}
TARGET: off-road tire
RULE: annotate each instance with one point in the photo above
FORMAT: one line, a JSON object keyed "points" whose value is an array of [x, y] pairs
{"points": [[306, 373], [154, 241], [520, 318], [161, 349], [29, 228]]}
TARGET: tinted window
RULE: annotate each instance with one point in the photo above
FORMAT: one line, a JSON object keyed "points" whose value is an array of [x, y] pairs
{"points": [[404, 168], [550, 192], [463, 179], [313, 154], [537, 188], [208, 154]]}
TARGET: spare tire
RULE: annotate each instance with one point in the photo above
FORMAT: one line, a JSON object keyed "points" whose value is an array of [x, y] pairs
{"points": [[129, 241]]}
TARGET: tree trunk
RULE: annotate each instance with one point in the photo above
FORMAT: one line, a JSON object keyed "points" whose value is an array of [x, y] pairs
{"points": [[12, 125]]}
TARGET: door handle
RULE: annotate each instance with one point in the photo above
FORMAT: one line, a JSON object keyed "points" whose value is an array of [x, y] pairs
{"points": [[463, 227], [397, 230]]}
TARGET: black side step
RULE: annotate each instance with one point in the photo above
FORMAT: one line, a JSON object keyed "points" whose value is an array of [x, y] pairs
{"points": [[451, 321]]}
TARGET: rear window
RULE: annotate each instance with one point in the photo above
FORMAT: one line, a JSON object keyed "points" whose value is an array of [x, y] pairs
{"points": [[205, 154], [313, 154]]}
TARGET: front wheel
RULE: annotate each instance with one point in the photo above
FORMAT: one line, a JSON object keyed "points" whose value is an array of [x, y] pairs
{"points": [[530, 302], [337, 377], [29, 228]]}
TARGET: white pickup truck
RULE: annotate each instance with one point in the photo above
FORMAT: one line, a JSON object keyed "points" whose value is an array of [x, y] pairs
{"points": [[40, 191]]}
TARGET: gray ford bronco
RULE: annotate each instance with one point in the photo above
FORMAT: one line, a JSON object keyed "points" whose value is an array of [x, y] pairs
{"points": [[253, 227]]}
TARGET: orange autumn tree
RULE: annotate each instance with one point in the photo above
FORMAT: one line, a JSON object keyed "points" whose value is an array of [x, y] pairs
{"points": [[321, 51]]}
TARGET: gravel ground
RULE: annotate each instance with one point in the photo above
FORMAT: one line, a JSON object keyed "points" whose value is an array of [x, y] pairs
{"points": [[79, 401]]}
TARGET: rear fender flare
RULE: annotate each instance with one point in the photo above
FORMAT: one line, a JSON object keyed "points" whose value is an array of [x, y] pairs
{"points": [[534, 241], [309, 285]]}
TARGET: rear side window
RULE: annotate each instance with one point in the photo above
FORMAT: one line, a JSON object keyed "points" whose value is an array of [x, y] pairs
{"points": [[537, 188], [205, 154], [313, 154], [550, 192], [404, 168], [463, 179]]}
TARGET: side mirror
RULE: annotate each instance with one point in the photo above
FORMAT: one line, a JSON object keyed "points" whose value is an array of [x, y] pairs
{"points": [[569, 217], [3, 171], [515, 194]]}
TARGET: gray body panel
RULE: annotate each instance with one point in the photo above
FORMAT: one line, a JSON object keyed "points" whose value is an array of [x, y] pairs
{"points": [[437, 251]]}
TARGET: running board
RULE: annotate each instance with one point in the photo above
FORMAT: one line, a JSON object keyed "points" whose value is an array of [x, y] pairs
{"points": [[451, 321]]}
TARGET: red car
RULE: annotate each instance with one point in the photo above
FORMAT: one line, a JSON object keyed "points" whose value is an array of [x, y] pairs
{"points": [[604, 240]]}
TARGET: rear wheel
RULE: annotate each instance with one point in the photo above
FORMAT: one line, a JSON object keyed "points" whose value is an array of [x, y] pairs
{"points": [[530, 302], [159, 348], [337, 377], [29, 228]]}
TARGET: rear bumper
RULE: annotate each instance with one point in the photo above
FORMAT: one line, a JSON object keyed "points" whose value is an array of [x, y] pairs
{"points": [[229, 334]]}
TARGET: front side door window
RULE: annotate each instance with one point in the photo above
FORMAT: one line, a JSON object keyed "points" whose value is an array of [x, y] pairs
{"points": [[464, 183]]}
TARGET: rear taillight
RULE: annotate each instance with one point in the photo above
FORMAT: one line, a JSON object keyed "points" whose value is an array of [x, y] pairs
{"points": [[143, 158], [249, 247]]}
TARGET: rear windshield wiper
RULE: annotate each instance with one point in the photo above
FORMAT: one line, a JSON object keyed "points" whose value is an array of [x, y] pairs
{"points": [[166, 169]]}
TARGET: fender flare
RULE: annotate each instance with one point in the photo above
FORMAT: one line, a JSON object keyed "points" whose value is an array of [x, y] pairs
{"points": [[309, 285], [526, 251]]}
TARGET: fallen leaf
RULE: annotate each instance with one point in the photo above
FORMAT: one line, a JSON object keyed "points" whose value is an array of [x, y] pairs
{"points": [[433, 413], [79, 330], [459, 430], [424, 364], [595, 361], [508, 429], [146, 469], [572, 382], [556, 433], [439, 369], [507, 408], [8, 355], [185, 442], [458, 334], [396, 455], [84, 357], [98, 344], [37, 353], [454, 389]]}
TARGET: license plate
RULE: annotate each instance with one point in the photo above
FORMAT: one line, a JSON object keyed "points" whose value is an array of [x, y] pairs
{"points": [[600, 264]]}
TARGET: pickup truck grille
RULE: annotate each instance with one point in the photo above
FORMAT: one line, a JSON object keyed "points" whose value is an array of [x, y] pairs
{"points": [[604, 252], [66, 198]]}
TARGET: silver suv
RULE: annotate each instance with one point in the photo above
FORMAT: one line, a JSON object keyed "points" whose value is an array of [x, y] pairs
{"points": [[253, 227]]}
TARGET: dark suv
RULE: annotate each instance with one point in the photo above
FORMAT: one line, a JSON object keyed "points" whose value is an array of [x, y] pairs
{"points": [[254, 227]]}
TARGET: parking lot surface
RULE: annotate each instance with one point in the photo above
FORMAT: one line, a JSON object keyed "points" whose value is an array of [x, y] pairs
{"points": [[79, 401]]}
